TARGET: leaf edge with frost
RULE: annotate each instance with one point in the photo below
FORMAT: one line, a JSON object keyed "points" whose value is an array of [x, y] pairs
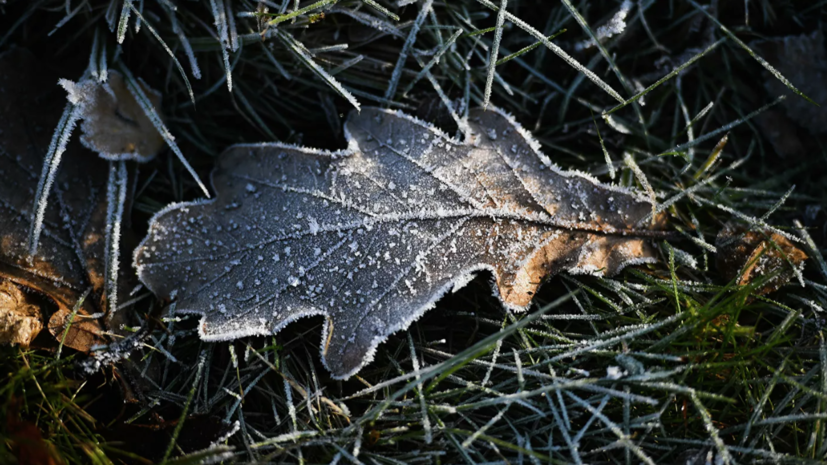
{"points": [[458, 280]]}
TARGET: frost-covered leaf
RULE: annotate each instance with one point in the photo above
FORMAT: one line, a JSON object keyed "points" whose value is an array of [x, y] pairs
{"points": [[114, 124], [745, 256], [71, 256], [372, 237]]}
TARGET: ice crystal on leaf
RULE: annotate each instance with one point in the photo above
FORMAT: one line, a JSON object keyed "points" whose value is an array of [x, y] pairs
{"points": [[372, 236]]}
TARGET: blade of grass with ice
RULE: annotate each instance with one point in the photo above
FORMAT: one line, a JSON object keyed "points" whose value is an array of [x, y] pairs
{"points": [[433, 61], [669, 76], [406, 48], [300, 11], [725, 127], [115, 197], [558, 51], [135, 89], [527, 49], [301, 53], [220, 21], [495, 50], [172, 55], [382, 9], [51, 162], [754, 55], [805, 236], [123, 23]]}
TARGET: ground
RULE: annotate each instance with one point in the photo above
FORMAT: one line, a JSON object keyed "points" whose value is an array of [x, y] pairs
{"points": [[676, 361]]}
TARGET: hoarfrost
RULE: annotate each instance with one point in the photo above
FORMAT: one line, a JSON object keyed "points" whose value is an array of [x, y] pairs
{"points": [[373, 236], [614, 26]]}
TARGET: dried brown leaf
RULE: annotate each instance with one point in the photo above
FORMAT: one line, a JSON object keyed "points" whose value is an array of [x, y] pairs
{"points": [[20, 320], [373, 236], [745, 256]]}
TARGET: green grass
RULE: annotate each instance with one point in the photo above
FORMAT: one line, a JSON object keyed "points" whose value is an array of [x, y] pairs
{"points": [[709, 366]]}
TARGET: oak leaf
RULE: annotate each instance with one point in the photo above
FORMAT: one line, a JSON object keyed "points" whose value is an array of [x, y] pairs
{"points": [[372, 236]]}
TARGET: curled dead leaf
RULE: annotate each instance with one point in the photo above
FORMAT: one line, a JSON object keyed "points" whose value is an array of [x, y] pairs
{"points": [[745, 256], [114, 124], [371, 237]]}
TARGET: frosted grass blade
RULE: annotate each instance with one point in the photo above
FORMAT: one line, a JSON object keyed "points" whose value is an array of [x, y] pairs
{"points": [[558, 51]]}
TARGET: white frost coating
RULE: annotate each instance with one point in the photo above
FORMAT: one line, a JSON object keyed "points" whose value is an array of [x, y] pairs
{"points": [[103, 67], [614, 372], [462, 282], [220, 22], [371, 237], [102, 111], [124, 21], [536, 147], [641, 177], [70, 117], [116, 197], [231, 27], [616, 124], [685, 258], [614, 26]]}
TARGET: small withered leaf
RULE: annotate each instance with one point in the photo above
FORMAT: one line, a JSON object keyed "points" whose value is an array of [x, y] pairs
{"points": [[114, 124], [745, 256], [371, 237], [20, 320], [71, 258]]}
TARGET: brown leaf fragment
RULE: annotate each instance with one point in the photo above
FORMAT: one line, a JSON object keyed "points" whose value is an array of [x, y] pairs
{"points": [[114, 124], [70, 258], [371, 237], [20, 320], [745, 256]]}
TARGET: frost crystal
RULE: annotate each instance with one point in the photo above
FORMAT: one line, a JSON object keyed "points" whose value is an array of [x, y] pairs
{"points": [[616, 25], [373, 236]]}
